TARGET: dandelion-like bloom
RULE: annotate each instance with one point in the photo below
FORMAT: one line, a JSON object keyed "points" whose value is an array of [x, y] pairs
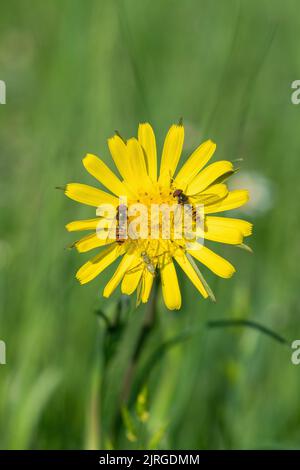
{"points": [[144, 258]]}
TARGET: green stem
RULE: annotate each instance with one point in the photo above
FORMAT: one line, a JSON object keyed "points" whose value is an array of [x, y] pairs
{"points": [[247, 323], [147, 327]]}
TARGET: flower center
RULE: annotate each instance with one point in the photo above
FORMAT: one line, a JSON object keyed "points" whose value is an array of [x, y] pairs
{"points": [[159, 222]]}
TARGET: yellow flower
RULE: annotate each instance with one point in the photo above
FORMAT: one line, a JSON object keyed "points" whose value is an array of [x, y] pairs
{"points": [[143, 258]]}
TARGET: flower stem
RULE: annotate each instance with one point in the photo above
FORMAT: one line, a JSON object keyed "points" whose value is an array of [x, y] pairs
{"points": [[147, 327]]}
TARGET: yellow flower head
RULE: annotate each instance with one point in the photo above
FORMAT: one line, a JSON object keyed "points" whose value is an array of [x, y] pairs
{"points": [[152, 251]]}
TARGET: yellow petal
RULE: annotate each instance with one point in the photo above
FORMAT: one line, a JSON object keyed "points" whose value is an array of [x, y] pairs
{"points": [[147, 140], [127, 261], [243, 225], [118, 150], [226, 230], [96, 265], [211, 195], [131, 279], [207, 176], [148, 279], [136, 157], [91, 241], [170, 286], [171, 153], [233, 200], [217, 231], [218, 265], [89, 195], [195, 163], [97, 168], [191, 273], [78, 225]]}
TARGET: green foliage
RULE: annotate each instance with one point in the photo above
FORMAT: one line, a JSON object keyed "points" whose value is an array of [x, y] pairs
{"points": [[140, 430]]}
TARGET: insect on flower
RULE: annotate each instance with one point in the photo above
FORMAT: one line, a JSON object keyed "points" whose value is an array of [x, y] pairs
{"points": [[148, 262], [140, 182], [180, 196], [121, 232]]}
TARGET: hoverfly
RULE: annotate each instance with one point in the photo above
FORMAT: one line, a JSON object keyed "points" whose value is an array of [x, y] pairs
{"points": [[121, 232], [117, 229], [202, 198], [148, 262], [183, 200], [216, 191], [144, 268], [180, 196], [150, 269]]}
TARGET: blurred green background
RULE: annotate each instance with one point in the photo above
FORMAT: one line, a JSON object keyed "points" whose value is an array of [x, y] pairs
{"points": [[75, 71]]}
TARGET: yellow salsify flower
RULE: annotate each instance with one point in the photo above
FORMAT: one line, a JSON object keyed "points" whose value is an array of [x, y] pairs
{"points": [[142, 259]]}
